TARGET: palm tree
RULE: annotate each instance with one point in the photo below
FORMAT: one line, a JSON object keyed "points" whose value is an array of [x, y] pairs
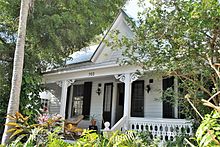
{"points": [[13, 105]]}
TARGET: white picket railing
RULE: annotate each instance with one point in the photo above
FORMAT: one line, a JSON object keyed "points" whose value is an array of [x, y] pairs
{"points": [[165, 129]]}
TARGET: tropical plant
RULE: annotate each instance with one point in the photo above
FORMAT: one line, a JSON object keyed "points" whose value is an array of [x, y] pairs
{"points": [[208, 133], [26, 133]]}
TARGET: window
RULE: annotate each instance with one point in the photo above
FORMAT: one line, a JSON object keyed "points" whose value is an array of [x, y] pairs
{"points": [[77, 100]]}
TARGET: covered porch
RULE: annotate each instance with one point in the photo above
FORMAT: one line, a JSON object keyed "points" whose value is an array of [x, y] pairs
{"points": [[124, 99]]}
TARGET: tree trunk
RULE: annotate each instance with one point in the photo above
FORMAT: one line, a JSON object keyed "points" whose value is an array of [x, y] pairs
{"points": [[13, 105]]}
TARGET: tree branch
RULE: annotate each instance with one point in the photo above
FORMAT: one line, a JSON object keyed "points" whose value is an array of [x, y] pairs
{"points": [[217, 93], [212, 66], [201, 87]]}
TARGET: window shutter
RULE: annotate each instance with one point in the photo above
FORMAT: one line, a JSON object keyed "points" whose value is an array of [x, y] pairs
{"points": [[67, 102], [168, 109], [87, 98], [137, 99]]}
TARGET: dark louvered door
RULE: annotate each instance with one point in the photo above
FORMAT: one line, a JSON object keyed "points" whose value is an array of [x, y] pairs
{"points": [[87, 98], [137, 99], [107, 103], [168, 109]]}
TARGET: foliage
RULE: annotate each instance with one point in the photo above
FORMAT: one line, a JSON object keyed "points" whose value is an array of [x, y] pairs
{"points": [[181, 38], [30, 102], [58, 142], [178, 142], [178, 38], [129, 138], [26, 133], [125, 139], [90, 138], [47, 133], [208, 133]]}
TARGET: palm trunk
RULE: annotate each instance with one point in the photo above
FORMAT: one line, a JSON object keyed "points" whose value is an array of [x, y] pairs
{"points": [[13, 105]]}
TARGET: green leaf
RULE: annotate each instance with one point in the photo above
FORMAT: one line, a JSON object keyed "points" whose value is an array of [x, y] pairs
{"points": [[18, 131], [13, 124], [11, 130]]}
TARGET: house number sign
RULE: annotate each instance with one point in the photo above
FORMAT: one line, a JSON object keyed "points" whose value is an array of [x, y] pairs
{"points": [[91, 74]]}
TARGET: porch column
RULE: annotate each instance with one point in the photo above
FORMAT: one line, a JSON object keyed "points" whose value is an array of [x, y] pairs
{"points": [[64, 84], [127, 78], [176, 94]]}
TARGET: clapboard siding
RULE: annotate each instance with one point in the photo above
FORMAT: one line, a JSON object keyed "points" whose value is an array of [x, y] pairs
{"points": [[55, 94], [152, 102]]}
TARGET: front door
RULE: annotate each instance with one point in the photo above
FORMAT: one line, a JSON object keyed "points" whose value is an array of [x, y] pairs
{"points": [[107, 103], [137, 99]]}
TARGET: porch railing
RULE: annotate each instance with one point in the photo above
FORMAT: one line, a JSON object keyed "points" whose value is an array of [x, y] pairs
{"points": [[165, 129], [120, 125]]}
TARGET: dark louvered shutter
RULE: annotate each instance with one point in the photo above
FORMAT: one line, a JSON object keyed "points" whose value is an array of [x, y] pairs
{"points": [[137, 99], [168, 109], [87, 98], [67, 101]]}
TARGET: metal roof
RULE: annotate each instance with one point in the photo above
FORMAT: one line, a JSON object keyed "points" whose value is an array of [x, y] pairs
{"points": [[83, 55]]}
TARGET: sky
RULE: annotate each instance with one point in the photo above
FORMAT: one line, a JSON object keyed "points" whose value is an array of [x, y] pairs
{"points": [[132, 8]]}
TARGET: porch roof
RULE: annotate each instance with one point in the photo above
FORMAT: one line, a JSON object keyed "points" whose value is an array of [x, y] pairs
{"points": [[81, 67]]}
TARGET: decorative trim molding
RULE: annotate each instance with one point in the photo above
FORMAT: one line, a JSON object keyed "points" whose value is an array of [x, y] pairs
{"points": [[69, 82], [133, 77], [59, 83], [120, 77]]}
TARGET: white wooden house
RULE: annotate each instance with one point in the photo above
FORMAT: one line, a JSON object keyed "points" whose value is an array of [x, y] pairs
{"points": [[94, 83]]}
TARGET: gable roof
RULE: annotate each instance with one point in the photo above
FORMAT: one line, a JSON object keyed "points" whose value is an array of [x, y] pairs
{"points": [[99, 49], [90, 54]]}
